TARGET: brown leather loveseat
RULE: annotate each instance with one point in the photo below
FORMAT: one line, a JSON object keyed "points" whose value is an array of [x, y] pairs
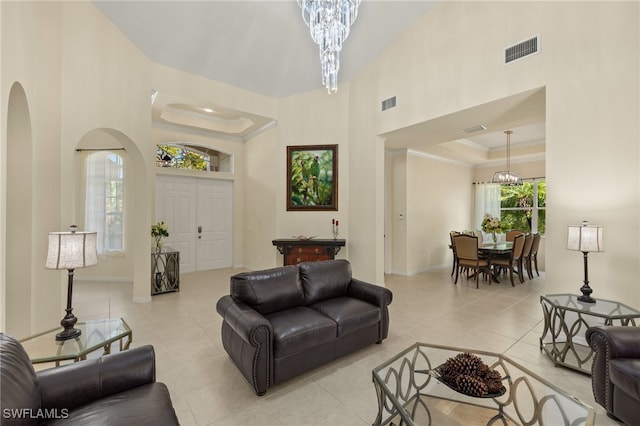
{"points": [[615, 372], [282, 322], [117, 389]]}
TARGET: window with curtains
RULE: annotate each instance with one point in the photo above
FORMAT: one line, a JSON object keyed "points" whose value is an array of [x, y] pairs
{"points": [[104, 200], [518, 206]]}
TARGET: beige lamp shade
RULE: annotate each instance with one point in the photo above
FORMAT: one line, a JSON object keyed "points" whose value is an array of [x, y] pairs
{"points": [[585, 238], [71, 250]]}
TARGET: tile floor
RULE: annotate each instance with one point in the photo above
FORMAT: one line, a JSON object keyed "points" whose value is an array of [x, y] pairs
{"points": [[207, 389]]}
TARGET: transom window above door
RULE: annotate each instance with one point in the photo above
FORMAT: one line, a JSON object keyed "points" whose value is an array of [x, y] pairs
{"points": [[184, 155]]}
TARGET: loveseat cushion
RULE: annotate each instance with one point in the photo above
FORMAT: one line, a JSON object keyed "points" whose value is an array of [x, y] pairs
{"points": [[349, 314], [324, 280], [298, 329], [625, 374], [270, 290], [149, 404], [18, 384]]}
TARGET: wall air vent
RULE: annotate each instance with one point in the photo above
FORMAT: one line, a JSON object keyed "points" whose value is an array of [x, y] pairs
{"points": [[388, 103], [522, 49]]}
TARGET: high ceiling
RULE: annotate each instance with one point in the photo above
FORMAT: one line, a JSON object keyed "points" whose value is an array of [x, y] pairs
{"points": [[262, 46], [265, 47]]}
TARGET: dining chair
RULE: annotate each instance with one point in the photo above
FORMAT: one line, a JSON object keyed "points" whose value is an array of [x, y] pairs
{"points": [[453, 249], [533, 257], [513, 261], [512, 234], [525, 259], [466, 247]]}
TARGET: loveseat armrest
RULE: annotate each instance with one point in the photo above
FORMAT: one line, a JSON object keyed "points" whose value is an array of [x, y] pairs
{"points": [[80, 383], [243, 319], [247, 336], [370, 293], [375, 295]]}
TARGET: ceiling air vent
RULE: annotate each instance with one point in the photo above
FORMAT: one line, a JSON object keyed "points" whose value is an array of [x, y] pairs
{"points": [[388, 103], [522, 49]]}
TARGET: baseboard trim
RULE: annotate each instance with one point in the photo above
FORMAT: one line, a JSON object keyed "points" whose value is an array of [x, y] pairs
{"points": [[98, 279]]}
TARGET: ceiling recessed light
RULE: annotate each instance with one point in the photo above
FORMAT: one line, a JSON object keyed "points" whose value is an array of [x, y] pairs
{"points": [[475, 128], [207, 110]]}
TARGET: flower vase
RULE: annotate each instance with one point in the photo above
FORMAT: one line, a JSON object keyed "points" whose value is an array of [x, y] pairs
{"points": [[494, 237], [158, 244]]}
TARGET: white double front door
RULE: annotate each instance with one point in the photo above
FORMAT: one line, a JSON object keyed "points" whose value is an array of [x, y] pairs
{"points": [[199, 214]]}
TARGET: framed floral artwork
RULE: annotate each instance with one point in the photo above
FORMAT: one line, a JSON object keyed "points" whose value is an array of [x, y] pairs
{"points": [[312, 177]]}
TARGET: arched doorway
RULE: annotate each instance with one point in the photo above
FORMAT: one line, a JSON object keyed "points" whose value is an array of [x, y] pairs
{"points": [[135, 263], [19, 207]]}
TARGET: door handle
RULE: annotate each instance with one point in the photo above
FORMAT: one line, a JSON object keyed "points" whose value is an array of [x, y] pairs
{"points": [[199, 229]]}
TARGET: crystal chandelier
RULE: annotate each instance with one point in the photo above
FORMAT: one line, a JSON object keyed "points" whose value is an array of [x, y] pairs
{"points": [[329, 22], [506, 177]]}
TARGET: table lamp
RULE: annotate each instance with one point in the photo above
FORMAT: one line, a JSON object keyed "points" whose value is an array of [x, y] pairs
{"points": [[71, 250], [585, 238]]}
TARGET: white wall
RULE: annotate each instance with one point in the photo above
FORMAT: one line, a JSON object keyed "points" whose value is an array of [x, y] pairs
{"points": [[262, 200], [312, 118], [34, 128], [434, 197], [450, 60]]}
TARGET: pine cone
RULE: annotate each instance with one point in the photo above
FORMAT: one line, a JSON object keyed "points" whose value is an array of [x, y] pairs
{"points": [[470, 375], [483, 369], [448, 373], [493, 380], [469, 363], [470, 385]]}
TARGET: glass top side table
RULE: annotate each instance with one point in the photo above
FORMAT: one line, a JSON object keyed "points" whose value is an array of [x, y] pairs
{"points": [[96, 334], [566, 321], [408, 394]]}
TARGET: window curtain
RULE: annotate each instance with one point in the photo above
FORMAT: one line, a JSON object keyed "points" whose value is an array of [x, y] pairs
{"points": [[487, 201], [104, 200]]}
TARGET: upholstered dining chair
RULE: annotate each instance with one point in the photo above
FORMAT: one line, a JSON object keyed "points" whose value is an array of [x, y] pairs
{"points": [[533, 257], [512, 263], [466, 247], [525, 259], [512, 234], [453, 250]]}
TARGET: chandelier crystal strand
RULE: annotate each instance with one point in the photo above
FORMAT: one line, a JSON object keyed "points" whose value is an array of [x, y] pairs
{"points": [[329, 22]]}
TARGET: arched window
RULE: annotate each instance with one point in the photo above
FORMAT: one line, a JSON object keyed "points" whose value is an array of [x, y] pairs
{"points": [[104, 201], [183, 155]]}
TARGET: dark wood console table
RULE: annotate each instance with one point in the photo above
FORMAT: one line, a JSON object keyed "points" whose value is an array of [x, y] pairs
{"points": [[295, 251]]}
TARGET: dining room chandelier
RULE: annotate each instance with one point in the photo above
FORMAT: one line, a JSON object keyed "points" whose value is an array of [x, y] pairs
{"points": [[329, 22], [507, 177]]}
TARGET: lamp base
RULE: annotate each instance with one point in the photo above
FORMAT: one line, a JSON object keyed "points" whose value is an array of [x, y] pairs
{"points": [[69, 333], [586, 294], [67, 323], [586, 299]]}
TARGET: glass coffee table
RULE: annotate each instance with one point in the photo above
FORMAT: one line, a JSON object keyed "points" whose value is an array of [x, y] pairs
{"points": [[566, 320], [410, 392], [96, 335]]}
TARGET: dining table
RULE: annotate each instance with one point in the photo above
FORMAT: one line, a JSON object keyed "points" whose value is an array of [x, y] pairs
{"points": [[491, 250]]}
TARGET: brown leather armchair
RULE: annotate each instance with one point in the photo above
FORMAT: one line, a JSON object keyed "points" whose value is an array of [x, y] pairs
{"points": [[615, 372], [117, 389]]}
